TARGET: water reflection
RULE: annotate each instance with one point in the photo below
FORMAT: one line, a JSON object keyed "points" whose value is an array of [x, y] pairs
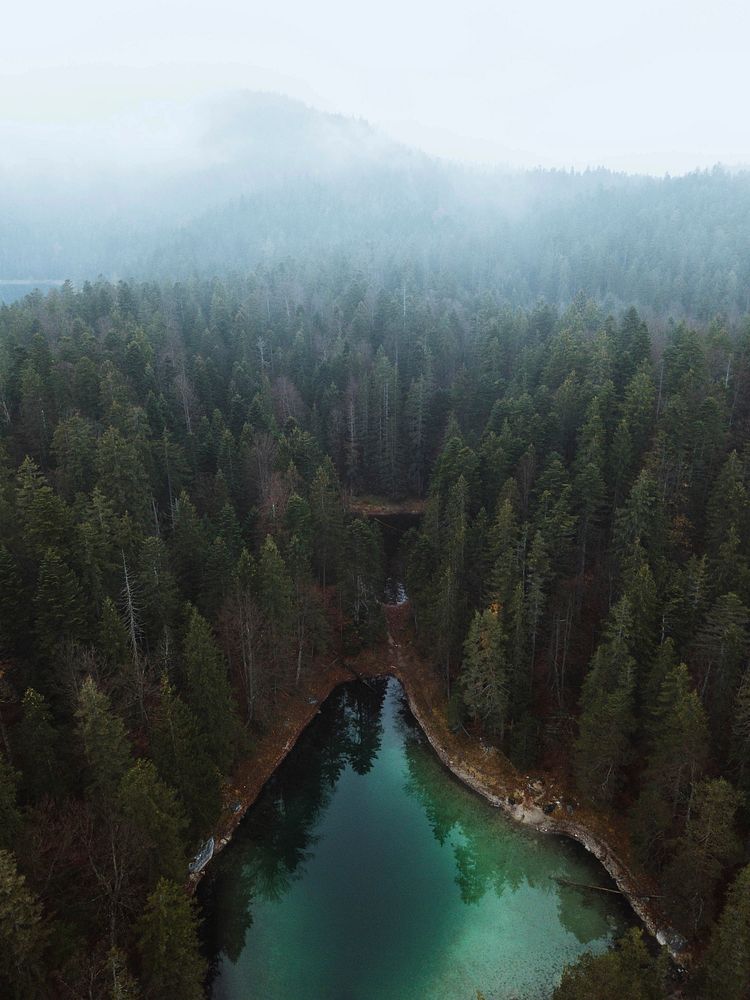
{"points": [[365, 871], [485, 861], [273, 844]]}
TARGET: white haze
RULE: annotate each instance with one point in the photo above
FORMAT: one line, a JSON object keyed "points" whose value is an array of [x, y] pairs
{"points": [[657, 86]]}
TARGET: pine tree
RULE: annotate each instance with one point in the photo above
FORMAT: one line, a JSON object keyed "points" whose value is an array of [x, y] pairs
{"points": [[740, 746], [58, 605], [37, 747], [327, 519], [188, 547], [640, 589], [679, 749], [662, 663], [603, 745], [14, 605], [105, 744], [484, 676], [22, 934], [121, 476], [156, 587], [680, 739], [44, 518], [538, 573], [722, 646], [208, 692], [73, 449], [10, 817], [153, 810], [274, 598], [726, 965], [505, 550], [607, 719], [180, 752], [112, 639], [628, 972], [728, 508], [707, 846], [167, 932], [362, 581]]}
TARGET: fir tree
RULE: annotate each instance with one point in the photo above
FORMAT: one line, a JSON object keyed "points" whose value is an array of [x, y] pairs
{"points": [[22, 934], [104, 741], [484, 677], [154, 811], [181, 754], [171, 962], [36, 743], [209, 694], [10, 817], [628, 971], [726, 965]]}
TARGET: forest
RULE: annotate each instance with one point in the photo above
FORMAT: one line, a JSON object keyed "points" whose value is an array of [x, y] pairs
{"points": [[178, 548], [287, 183]]}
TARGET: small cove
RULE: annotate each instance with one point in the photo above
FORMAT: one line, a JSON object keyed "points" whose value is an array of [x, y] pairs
{"points": [[366, 872]]}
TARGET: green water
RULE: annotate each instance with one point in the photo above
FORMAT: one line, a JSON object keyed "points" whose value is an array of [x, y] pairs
{"points": [[366, 872]]}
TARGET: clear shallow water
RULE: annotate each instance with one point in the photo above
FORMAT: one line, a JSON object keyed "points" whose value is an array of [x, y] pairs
{"points": [[366, 872]]}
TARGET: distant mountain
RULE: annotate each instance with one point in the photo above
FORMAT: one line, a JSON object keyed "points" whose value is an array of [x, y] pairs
{"points": [[250, 179], [100, 199]]}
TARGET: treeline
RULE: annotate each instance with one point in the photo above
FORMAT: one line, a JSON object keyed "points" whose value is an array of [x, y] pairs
{"points": [[581, 581], [672, 246], [175, 552]]}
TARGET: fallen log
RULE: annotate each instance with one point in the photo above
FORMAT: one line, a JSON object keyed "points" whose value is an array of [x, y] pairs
{"points": [[601, 888]]}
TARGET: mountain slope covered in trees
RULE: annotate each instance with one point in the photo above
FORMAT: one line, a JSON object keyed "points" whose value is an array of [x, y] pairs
{"points": [[258, 179]]}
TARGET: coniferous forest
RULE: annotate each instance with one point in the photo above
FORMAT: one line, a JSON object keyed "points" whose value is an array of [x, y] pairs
{"points": [[178, 549]]}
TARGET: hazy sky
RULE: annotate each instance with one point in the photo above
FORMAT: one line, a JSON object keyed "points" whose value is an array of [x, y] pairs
{"points": [[654, 85]]}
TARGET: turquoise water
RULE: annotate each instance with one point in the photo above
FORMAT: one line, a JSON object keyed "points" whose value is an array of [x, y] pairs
{"points": [[366, 872]]}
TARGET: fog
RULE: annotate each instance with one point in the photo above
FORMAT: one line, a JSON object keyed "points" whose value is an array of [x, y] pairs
{"points": [[651, 86], [534, 151]]}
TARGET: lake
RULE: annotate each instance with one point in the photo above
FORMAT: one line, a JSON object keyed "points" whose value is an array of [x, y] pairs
{"points": [[13, 289], [365, 871]]}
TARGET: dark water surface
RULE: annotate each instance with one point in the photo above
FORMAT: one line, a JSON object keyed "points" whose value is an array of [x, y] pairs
{"points": [[366, 872]]}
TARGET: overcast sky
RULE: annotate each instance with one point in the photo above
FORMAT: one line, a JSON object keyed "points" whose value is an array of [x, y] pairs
{"points": [[646, 85]]}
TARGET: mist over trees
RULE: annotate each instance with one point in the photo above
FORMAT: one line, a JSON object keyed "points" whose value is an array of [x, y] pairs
{"points": [[257, 179], [317, 314]]}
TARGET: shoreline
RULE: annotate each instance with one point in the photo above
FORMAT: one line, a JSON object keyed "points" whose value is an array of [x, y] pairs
{"points": [[482, 769]]}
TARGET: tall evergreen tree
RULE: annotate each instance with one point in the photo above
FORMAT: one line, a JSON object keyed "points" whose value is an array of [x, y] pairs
{"points": [[171, 962], [22, 934], [726, 964], [484, 677], [628, 971], [104, 741], [209, 694], [155, 813], [37, 746], [182, 756], [708, 845]]}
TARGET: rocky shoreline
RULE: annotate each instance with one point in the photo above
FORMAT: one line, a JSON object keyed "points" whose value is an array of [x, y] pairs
{"points": [[530, 802], [526, 811]]}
